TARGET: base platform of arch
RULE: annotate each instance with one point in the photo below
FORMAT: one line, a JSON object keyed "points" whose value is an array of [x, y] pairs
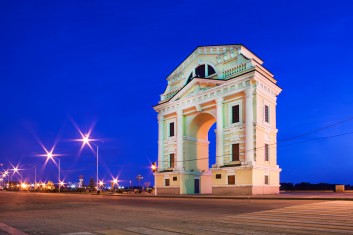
{"points": [[221, 181]]}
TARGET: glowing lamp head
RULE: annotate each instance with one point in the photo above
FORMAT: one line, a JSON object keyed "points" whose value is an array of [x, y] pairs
{"points": [[85, 139], [61, 183], [50, 155], [115, 181], [15, 169], [154, 167], [101, 183]]}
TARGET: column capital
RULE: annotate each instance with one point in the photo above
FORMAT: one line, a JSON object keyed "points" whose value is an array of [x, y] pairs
{"points": [[160, 117], [179, 112], [249, 91], [219, 100]]}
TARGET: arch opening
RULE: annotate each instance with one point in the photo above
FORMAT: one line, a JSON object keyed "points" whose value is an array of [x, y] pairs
{"points": [[197, 154]]}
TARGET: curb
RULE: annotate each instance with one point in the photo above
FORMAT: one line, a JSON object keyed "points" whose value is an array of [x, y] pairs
{"points": [[234, 197]]}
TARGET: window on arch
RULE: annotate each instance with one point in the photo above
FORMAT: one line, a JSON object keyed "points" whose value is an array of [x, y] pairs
{"points": [[200, 71], [210, 70], [204, 70]]}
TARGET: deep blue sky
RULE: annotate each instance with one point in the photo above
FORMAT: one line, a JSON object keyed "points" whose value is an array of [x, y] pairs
{"points": [[105, 62]]}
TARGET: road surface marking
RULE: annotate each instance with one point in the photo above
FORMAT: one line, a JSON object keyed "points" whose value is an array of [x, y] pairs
{"points": [[150, 231], [11, 230], [323, 217]]}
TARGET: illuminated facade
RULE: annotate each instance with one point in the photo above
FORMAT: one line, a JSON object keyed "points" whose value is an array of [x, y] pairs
{"points": [[226, 85]]}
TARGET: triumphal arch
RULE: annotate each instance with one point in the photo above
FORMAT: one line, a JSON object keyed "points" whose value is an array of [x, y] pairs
{"points": [[226, 85]]}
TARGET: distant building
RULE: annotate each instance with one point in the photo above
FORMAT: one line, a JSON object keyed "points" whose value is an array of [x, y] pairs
{"points": [[227, 85]]}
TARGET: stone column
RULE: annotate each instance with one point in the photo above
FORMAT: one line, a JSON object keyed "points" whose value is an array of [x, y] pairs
{"points": [[180, 140], [249, 126], [219, 133], [160, 163]]}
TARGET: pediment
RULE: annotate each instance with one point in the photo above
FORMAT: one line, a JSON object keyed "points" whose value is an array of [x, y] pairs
{"points": [[224, 62], [196, 87]]}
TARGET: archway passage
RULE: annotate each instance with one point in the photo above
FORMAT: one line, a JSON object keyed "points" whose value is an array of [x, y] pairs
{"points": [[196, 159], [197, 143], [212, 159]]}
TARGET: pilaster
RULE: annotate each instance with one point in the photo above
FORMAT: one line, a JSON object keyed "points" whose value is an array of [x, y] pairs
{"points": [[249, 126], [219, 133], [180, 140], [160, 141]]}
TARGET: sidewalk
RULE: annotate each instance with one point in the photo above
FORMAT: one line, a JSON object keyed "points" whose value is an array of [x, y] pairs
{"points": [[348, 196]]}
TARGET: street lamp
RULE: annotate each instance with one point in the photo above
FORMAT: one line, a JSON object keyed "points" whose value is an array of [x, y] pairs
{"points": [[139, 177], [6, 173], [87, 141], [154, 170], [115, 182], [50, 156], [15, 170], [101, 184], [35, 174]]}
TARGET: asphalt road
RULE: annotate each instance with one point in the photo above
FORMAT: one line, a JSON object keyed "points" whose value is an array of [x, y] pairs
{"points": [[41, 213]]}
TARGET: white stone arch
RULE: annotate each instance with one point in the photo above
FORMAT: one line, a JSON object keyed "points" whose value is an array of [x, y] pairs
{"points": [[208, 100]]}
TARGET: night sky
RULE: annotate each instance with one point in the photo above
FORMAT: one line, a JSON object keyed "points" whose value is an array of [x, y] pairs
{"points": [[101, 65]]}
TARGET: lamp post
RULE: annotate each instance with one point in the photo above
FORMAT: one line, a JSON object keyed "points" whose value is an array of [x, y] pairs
{"points": [[3, 175], [6, 173], [87, 141], [59, 176], [115, 182], [139, 177], [50, 156], [101, 183], [15, 170], [154, 170], [35, 175]]}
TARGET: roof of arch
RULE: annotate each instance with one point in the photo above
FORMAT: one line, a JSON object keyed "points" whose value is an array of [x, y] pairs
{"points": [[227, 60]]}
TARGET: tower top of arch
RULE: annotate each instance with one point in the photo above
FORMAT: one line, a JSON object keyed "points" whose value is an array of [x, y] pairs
{"points": [[219, 62]]}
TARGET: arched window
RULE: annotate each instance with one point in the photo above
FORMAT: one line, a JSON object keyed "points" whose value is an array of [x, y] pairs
{"points": [[202, 71]]}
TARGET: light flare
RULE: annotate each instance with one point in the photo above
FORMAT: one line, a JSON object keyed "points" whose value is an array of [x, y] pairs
{"points": [[85, 138]]}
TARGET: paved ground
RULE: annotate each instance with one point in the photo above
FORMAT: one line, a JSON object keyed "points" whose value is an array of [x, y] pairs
{"points": [[39, 213]]}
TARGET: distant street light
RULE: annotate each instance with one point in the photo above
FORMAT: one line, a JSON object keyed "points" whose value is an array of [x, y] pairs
{"points": [[15, 170], [101, 183], [139, 177], [50, 156], [35, 175], [114, 182]]}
